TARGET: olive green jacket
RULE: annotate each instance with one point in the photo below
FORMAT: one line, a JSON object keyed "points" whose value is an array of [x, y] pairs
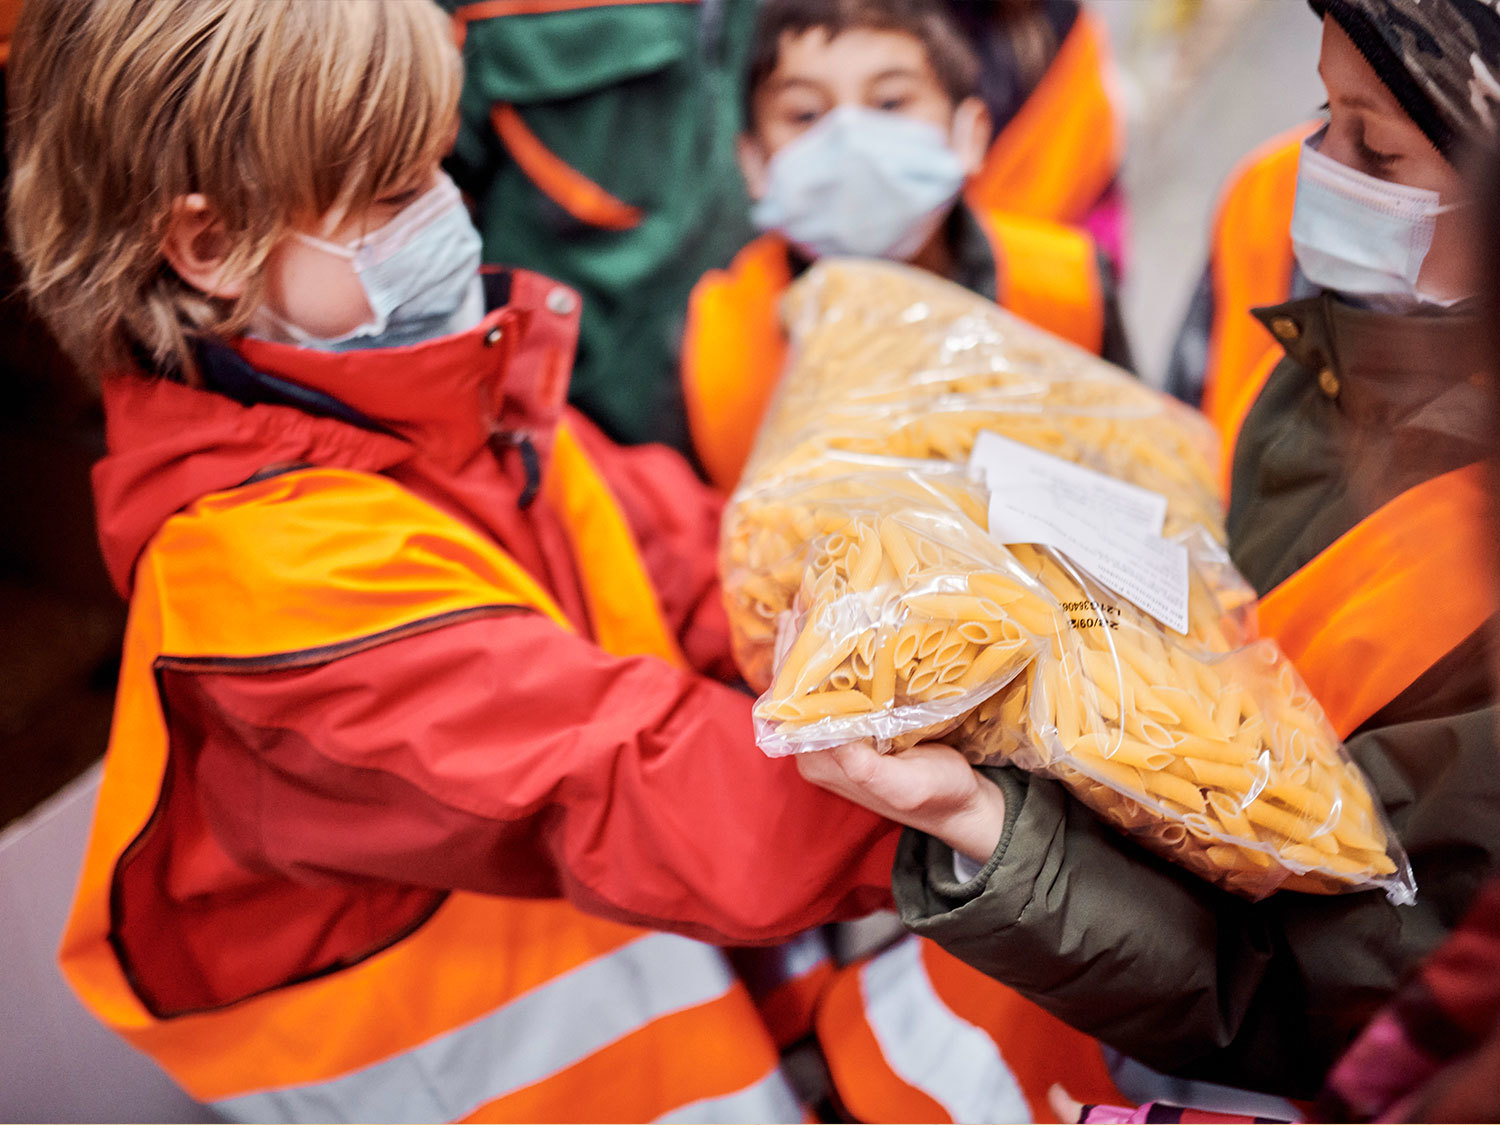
{"points": [[1154, 961], [642, 101]]}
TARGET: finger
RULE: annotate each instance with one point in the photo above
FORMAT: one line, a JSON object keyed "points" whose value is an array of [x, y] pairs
{"points": [[860, 761], [935, 746], [1065, 1107], [820, 767], [933, 752]]}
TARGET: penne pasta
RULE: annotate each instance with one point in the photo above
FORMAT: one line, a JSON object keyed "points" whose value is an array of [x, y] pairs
{"points": [[821, 705], [868, 599]]}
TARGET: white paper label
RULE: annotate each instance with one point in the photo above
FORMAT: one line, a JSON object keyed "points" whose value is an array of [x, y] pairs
{"points": [[1008, 466], [1110, 528]]}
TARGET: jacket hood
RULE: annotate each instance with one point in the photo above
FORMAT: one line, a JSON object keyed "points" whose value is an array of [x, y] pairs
{"points": [[267, 407]]}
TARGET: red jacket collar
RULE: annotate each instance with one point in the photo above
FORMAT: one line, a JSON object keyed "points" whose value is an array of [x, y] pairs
{"points": [[449, 396], [443, 400]]}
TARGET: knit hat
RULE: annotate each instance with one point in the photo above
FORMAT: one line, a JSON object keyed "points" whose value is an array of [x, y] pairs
{"points": [[1440, 58]]}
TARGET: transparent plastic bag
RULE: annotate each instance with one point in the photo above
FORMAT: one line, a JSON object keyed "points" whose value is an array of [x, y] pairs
{"points": [[869, 601]]}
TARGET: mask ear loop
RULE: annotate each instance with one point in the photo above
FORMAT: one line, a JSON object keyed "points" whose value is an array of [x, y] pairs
{"points": [[419, 212], [1384, 194], [345, 252]]}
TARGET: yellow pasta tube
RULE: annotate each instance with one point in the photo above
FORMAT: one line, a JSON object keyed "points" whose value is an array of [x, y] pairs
{"points": [[806, 643], [1212, 750], [883, 676], [907, 640], [996, 588], [1174, 788], [981, 632], [1278, 820], [988, 663], [1125, 751], [1231, 779], [866, 564], [820, 705], [897, 549], [955, 607]]}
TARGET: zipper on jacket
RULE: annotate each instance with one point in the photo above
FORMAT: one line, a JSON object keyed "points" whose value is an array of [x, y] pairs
{"points": [[302, 658]]}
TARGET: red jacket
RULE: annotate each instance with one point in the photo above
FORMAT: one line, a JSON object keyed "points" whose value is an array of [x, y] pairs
{"points": [[498, 753]]}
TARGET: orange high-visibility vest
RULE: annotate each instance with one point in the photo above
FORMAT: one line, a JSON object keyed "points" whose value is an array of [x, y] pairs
{"points": [[493, 1009], [914, 1034], [735, 348], [1388, 599], [1055, 158], [1378, 607], [1251, 265]]}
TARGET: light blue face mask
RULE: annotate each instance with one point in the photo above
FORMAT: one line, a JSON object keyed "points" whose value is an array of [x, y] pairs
{"points": [[1361, 236], [861, 182], [420, 274]]}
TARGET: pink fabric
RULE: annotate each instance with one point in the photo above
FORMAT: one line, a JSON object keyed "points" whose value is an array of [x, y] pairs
{"points": [[1108, 223], [1115, 1114], [1382, 1067]]}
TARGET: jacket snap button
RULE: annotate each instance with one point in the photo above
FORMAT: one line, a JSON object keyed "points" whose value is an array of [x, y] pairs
{"points": [[1285, 328], [492, 337], [1328, 382], [561, 302]]}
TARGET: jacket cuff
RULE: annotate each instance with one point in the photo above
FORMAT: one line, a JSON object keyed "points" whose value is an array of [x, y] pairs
{"points": [[932, 862], [932, 901]]}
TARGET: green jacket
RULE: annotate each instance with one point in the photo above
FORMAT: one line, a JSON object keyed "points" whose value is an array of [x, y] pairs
{"points": [[1160, 964], [643, 101]]}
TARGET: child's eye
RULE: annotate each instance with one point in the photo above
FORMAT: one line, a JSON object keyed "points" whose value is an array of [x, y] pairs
{"points": [[1380, 161], [892, 105]]}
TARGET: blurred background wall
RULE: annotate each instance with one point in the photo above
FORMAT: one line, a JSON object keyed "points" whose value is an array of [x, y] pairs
{"points": [[1203, 82]]}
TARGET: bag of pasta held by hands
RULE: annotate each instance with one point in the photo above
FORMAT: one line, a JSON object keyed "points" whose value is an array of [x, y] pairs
{"points": [[955, 526]]}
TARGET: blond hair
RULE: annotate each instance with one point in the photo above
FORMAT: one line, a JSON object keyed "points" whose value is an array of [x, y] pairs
{"points": [[278, 111]]}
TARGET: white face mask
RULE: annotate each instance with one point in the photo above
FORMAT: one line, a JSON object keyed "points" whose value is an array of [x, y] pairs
{"points": [[1361, 236], [419, 272], [861, 182]]}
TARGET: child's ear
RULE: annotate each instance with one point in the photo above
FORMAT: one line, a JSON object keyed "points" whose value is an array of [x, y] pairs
{"points": [[197, 247], [753, 163], [972, 130]]}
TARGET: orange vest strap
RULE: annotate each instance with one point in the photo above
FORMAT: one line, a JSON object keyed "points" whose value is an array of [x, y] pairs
{"points": [[569, 188], [1048, 274], [386, 579], [1389, 598], [1251, 265], [732, 355], [1055, 158], [623, 606]]}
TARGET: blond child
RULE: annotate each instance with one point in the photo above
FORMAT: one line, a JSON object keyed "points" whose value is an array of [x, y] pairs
{"points": [[418, 663]]}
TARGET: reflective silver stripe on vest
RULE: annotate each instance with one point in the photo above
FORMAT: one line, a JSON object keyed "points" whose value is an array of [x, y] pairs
{"points": [[769, 1100], [953, 1062], [539, 1033], [803, 954]]}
